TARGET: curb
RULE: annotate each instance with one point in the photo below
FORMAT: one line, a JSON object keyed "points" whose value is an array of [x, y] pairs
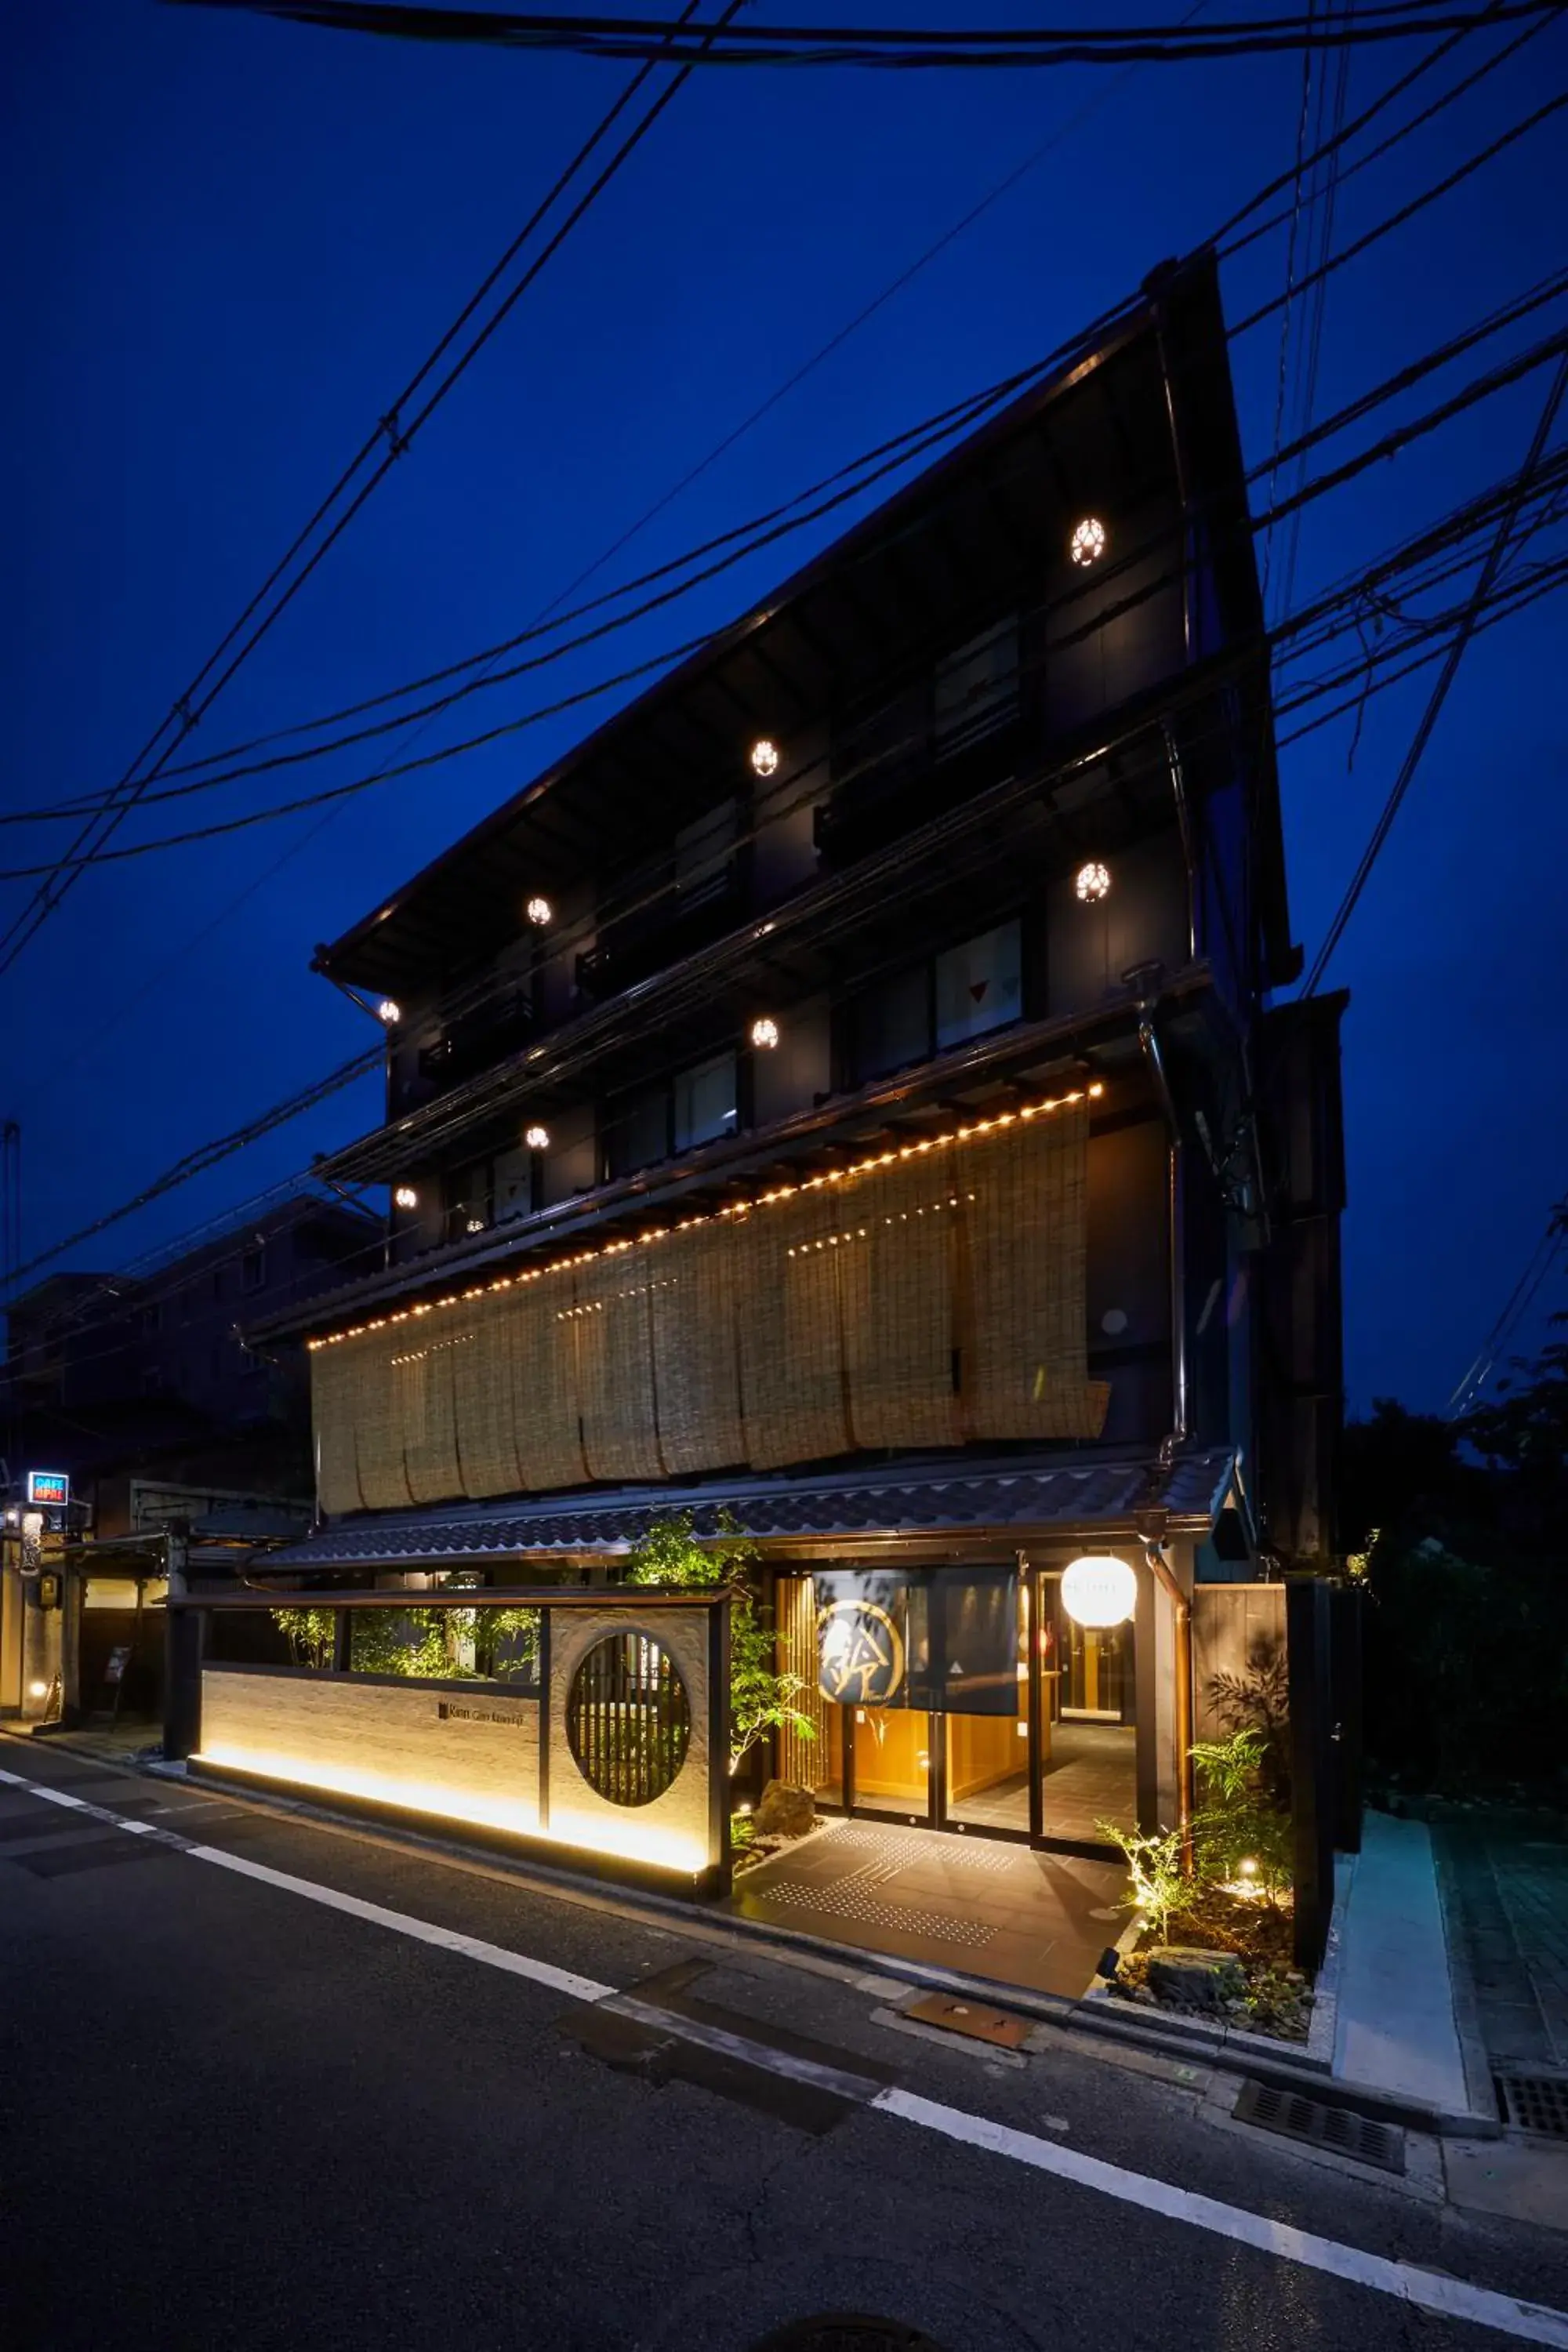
{"points": [[1091, 2015]]}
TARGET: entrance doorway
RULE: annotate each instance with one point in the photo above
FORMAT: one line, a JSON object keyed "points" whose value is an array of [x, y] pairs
{"points": [[961, 1699]]}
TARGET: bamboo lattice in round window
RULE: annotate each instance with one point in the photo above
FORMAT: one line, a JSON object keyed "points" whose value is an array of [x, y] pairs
{"points": [[628, 1720]]}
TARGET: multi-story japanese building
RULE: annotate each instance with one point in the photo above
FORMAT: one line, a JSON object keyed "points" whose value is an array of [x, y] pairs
{"points": [[843, 1093]]}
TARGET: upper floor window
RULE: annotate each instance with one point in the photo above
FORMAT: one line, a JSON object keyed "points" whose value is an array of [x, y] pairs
{"points": [[979, 985], [964, 992], [976, 689], [253, 1268], [706, 1102]]}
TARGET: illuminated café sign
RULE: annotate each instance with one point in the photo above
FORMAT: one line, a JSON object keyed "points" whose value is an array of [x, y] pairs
{"points": [[52, 1488]]}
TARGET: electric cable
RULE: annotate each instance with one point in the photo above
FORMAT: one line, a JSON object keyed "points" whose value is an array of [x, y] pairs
{"points": [[199, 697]]}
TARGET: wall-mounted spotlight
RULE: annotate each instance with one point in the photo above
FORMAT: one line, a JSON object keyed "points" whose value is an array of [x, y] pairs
{"points": [[388, 1010], [764, 1033], [406, 1197], [1093, 882], [764, 757], [539, 912], [538, 1139], [1086, 544], [476, 1225]]}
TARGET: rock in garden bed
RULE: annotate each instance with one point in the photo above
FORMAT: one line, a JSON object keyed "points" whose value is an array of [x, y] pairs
{"points": [[1227, 1960]]}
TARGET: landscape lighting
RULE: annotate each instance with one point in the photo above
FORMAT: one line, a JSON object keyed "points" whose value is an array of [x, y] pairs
{"points": [[1088, 542], [38, 1690]]}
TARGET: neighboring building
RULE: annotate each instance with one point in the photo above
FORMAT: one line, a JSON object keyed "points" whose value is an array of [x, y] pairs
{"points": [[142, 1391], [843, 1092], [113, 1375]]}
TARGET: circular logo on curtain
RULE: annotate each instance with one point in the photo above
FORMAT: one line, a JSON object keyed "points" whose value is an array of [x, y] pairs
{"points": [[860, 1653], [628, 1720]]}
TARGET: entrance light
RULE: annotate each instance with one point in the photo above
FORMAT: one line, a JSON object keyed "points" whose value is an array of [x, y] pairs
{"points": [[1098, 1591]]}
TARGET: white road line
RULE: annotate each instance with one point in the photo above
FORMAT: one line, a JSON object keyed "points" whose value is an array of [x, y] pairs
{"points": [[422, 1931], [843, 2084], [1451, 2298]]}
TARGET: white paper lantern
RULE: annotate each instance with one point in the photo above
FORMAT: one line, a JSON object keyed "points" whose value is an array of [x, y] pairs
{"points": [[1098, 1591]]}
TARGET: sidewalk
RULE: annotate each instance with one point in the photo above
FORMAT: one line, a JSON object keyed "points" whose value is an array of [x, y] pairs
{"points": [[1396, 2027]]}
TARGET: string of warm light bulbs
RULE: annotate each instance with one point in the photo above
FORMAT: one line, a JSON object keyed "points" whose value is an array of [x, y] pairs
{"points": [[730, 1211]]}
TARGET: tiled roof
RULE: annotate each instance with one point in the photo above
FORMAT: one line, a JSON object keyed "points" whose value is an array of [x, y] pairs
{"points": [[914, 1498]]}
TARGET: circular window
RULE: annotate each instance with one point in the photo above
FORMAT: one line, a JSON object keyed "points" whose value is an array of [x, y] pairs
{"points": [[628, 1720]]}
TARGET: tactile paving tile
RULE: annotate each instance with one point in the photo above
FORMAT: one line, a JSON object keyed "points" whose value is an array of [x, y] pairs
{"points": [[849, 1901]]}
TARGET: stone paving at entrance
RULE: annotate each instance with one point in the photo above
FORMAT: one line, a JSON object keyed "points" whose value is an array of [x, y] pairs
{"points": [[1000, 1911]]}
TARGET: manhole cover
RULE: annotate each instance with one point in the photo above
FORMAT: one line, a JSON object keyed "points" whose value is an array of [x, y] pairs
{"points": [[846, 2331], [1320, 2126], [1536, 2103]]}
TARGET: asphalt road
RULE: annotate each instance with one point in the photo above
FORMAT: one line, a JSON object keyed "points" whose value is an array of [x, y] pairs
{"points": [[242, 2113]]}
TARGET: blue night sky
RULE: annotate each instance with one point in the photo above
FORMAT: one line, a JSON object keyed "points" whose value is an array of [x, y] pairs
{"points": [[232, 239]]}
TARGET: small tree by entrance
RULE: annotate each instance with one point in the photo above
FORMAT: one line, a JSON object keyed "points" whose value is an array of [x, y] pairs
{"points": [[762, 1698]]}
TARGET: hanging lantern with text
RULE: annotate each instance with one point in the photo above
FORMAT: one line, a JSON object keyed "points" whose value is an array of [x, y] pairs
{"points": [[1098, 1591]]}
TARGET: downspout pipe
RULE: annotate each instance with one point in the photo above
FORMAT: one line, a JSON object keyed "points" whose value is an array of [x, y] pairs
{"points": [[1146, 980], [1165, 1576]]}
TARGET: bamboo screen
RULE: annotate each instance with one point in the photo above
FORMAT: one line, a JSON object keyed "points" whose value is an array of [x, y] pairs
{"points": [[696, 1350], [806, 1762], [923, 1303], [614, 1313]]}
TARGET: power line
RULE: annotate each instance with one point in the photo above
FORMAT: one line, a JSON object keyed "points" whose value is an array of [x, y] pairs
{"points": [[1505, 316], [1430, 716], [200, 695], [898, 48], [1521, 1298]]}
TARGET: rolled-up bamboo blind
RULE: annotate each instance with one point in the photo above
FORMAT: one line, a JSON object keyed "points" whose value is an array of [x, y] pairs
{"points": [[615, 1365], [842, 1317], [1024, 1337], [423, 1402], [378, 1424], [485, 1402], [332, 1376], [696, 1350], [792, 1354], [897, 1276], [544, 1385]]}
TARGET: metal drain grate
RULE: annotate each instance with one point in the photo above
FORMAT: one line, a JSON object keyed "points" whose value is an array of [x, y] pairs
{"points": [[1536, 2103], [1309, 2120]]}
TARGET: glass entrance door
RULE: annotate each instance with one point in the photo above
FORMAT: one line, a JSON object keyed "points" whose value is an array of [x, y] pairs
{"points": [[891, 1761], [1088, 1734]]}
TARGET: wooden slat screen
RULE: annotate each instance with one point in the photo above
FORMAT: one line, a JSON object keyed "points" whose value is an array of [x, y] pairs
{"points": [[807, 1763], [928, 1301]]}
